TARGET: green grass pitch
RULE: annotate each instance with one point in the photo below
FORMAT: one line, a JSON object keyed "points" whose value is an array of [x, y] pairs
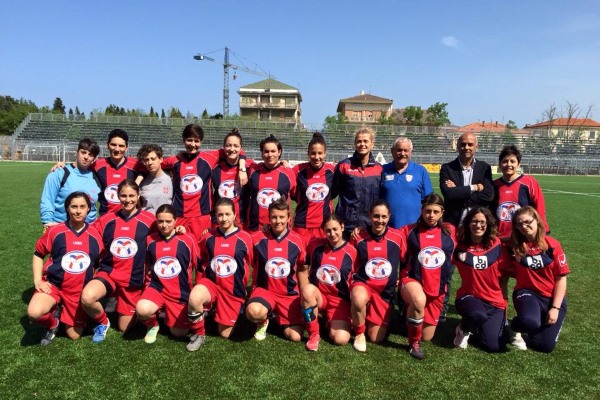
{"points": [[126, 368]]}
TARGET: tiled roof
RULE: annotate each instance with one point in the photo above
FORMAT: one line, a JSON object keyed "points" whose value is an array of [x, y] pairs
{"points": [[366, 98], [482, 127], [566, 122], [269, 84]]}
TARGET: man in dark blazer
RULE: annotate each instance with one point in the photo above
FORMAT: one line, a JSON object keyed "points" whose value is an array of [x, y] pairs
{"points": [[465, 182]]}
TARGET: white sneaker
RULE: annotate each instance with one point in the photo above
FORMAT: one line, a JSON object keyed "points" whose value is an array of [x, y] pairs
{"points": [[360, 343], [261, 331], [461, 340], [518, 341]]}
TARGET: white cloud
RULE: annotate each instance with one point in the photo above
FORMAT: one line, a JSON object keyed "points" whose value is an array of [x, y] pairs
{"points": [[450, 41]]}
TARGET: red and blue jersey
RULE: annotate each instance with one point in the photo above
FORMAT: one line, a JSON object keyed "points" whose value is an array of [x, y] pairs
{"points": [[510, 196], [429, 256], [125, 246], [276, 261], [312, 194], [331, 269], [225, 184], [538, 270], [479, 270], [265, 186], [226, 260], [378, 260], [110, 175], [73, 256], [171, 262]]}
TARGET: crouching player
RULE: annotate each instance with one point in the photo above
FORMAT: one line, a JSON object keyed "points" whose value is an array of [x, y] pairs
{"points": [[278, 254], [331, 264], [225, 259], [74, 248], [171, 259]]}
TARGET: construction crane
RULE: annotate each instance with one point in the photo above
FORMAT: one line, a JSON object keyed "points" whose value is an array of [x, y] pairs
{"points": [[226, 65]]}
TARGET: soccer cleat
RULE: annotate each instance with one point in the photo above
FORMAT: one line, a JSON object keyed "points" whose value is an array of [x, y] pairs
{"points": [[100, 332], [195, 342], [461, 340], [518, 341], [313, 342], [151, 334], [416, 351], [50, 335], [261, 331], [360, 343]]}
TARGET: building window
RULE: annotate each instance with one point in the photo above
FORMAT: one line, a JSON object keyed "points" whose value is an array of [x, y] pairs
{"points": [[592, 135]]}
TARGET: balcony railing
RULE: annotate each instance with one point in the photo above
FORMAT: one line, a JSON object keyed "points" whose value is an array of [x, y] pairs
{"points": [[253, 104]]}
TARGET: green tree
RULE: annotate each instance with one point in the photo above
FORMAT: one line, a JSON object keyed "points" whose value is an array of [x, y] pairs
{"points": [[152, 111], [437, 115], [174, 112], [511, 124], [162, 113], [58, 107], [332, 120], [204, 114], [77, 112], [412, 116], [12, 113], [71, 115]]}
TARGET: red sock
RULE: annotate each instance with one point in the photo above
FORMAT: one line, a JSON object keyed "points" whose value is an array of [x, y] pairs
{"points": [[150, 322], [360, 329], [101, 318], [198, 328], [48, 321], [312, 327], [415, 329]]}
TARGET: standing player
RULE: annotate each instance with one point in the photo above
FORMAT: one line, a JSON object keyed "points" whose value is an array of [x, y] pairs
{"points": [[314, 180], [172, 259], [379, 250], [74, 248], [122, 268], [515, 190], [226, 256], [278, 255], [427, 269], [156, 188], [540, 268], [479, 257], [268, 181], [330, 265]]}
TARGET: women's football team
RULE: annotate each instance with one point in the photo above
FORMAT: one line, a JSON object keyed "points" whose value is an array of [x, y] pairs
{"points": [[190, 264]]}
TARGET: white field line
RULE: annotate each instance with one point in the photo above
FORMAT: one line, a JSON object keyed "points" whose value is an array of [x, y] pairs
{"points": [[576, 193]]}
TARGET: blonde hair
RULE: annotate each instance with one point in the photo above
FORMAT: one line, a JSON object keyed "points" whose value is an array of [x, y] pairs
{"points": [[365, 130]]}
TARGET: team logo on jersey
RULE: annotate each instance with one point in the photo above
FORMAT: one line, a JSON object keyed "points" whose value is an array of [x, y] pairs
{"points": [[535, 262], [167, 267], [328, 275], [431, 257], [223, 266], [277, 268], [480, 262], [267, 196], [409, 178], [378, 268], [506, 210], [229, 189], [462, 256], [191, 184], [111, 195], [75, 262], [562, 260], [317, 192], [123, 247]]}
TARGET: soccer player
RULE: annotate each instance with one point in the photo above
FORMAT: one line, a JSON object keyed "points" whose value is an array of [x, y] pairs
{"points": [[330, 264], [226, 257], [515, 190], [74, 247], [278, 255], [314, 180], [171, 259], [267, 182], [479, 257], [192, 173], [379, 251], [356, 181], [122, 267], [156, 188], [426, 271], [540, 268], [64, 181]]}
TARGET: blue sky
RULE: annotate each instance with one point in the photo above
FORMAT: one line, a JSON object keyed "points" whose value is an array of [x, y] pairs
{"points": [[491, 61]]}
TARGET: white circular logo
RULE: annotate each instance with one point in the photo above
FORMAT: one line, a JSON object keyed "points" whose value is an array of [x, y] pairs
{"points": [[277, 268], [431, 257], [223, 266], [506, 210], [378, 268], [75, 262], [317, 192], [167, 267], [328, 275], [111, 194], [123, 247], [229, 189], [191, 184], [267, 196]]}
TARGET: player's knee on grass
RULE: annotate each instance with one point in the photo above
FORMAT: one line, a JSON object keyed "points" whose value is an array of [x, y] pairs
{"points": [[73, 332], [145, 309], [293, 333], [225, 331], [179, 332]]}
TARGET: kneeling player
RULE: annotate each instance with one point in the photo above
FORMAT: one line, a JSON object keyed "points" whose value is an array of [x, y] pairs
{"points": [[226, 256], [331, 263], [278, 254]]}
